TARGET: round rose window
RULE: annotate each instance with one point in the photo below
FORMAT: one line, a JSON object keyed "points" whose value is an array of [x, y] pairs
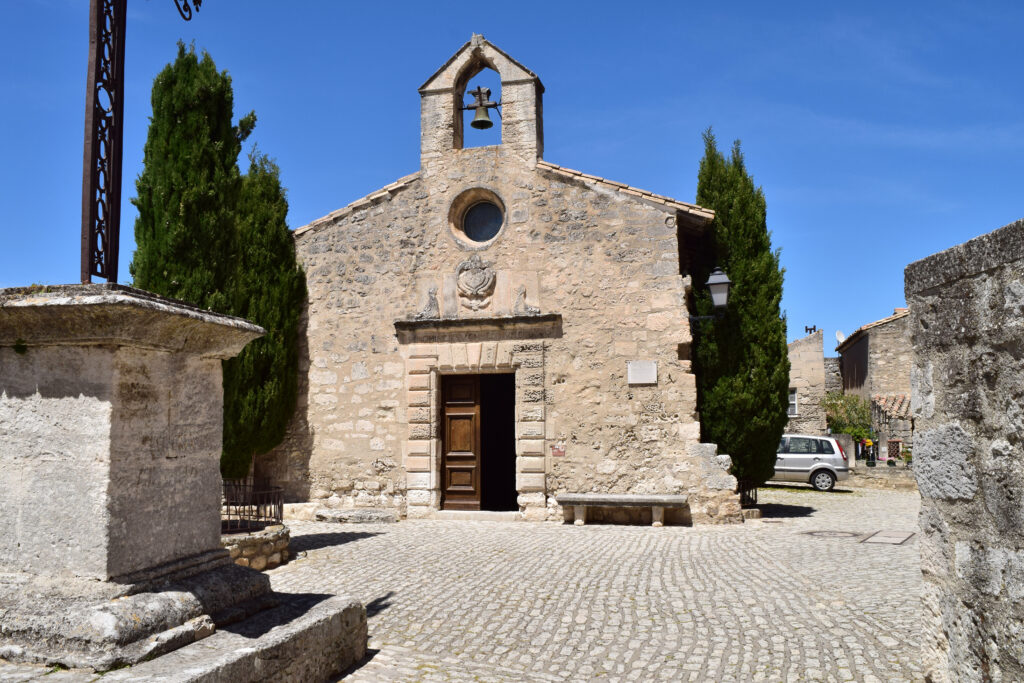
{"points": [[482, 221]]}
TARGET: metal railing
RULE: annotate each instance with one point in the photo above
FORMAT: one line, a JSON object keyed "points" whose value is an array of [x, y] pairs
{"points": [[248, 505], [748, 493]]}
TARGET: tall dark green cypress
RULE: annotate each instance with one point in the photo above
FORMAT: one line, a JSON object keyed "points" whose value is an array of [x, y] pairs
{"points": [[741, 358], [209, 236], [268, 288], [189, 185]]}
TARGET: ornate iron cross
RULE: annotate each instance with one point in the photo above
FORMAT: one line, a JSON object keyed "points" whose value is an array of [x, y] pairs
{"points": [[104, 114]]}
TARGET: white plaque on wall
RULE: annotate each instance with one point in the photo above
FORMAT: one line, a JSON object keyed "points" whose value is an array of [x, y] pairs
{"points": [[641, 372]]}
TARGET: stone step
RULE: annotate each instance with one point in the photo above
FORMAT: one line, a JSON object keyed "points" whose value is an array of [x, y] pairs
{"points": [[307, 638], [357, 516], [477, 515]]}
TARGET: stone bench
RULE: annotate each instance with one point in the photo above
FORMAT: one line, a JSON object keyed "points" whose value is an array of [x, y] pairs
{"points": [[581, 501]]}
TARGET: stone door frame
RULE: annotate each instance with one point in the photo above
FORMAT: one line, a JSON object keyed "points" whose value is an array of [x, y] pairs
{"points": [[424, 365]]}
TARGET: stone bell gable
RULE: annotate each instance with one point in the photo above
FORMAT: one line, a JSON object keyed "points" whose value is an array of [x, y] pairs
{"points": [[472, 329], [443, 94]]}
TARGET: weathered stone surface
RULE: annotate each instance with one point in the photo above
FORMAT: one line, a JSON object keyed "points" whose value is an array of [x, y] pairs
{"points": [[943, 463], [110, 440], [968, 340], [308, 638], [97, 624], [584, 276], [266, 545], [108, 395], [357, 516]]}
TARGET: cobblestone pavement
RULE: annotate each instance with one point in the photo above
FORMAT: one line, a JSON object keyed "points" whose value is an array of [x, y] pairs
{"points": [[491, 601]]}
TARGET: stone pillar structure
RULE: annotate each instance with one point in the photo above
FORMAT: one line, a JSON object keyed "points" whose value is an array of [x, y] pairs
{"points": [[967, 329], [111, 411]]}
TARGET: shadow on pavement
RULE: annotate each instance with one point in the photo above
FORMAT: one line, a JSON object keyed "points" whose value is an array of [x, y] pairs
{"points": [[375, 607], [315, 541], [840, 488], [780, 511], [370, 654]]}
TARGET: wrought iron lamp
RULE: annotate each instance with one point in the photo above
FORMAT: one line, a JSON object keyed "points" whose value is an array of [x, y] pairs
{"points": [[718, 284]]}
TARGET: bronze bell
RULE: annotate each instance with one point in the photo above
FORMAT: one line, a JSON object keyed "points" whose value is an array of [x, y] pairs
{"points": [[481, 121]]}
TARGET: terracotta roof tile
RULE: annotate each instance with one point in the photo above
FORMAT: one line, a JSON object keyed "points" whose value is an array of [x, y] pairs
{"points": [[893, 405]]}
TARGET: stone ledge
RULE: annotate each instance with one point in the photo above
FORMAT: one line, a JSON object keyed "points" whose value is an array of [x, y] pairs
{"points": [[100, 625], [982, 253], [357, 516], [308, 638], [115, 314]]}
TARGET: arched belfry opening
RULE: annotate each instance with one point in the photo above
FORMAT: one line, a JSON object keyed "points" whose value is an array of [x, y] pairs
{"points": [[446, 123], [478, 94]]}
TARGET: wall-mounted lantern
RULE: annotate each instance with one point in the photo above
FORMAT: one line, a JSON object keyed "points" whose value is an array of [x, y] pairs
{"points": [[718, 284]]}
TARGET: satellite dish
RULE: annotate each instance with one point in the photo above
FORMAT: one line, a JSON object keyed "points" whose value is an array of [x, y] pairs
{"points": [[840, 337]]}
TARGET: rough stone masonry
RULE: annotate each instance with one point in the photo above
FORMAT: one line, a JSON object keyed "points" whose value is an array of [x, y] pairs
{"points": [[583, 281], [967, 327]]}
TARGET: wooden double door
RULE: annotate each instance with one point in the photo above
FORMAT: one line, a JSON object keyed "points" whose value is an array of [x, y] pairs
{"points": [[478, 442]]}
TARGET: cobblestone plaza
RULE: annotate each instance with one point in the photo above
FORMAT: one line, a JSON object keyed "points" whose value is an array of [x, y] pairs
{"points": [[810, 592]]}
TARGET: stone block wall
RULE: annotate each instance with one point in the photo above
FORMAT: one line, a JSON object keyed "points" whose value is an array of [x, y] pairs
{"points": [[833, 377], [259, 550], [807, 376], [967, 327]]}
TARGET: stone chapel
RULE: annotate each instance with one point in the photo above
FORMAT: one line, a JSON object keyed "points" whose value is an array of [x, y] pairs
{"points": [[494, 330]]}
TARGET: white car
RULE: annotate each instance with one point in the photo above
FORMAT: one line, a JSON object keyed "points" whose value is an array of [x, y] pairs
{"points": [[817, 460]]}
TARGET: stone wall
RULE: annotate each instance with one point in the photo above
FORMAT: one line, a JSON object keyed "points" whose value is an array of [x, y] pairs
{"points": [[833, 377], [967, 322], [259, 550], [807, 376], [588, 275]]}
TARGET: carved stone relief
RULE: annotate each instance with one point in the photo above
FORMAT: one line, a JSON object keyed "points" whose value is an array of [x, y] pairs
{"points": [[475, 279]]}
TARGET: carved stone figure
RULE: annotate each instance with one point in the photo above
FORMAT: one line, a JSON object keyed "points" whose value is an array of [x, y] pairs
{"points": [[521, 307], [430, 310], [475, 279]]}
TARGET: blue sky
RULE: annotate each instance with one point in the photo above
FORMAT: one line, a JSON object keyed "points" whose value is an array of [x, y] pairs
{"points": [[880, 132]]}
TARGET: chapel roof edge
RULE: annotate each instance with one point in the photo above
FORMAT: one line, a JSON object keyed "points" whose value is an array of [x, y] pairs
{"points": [[364, 201], [661, 201]]}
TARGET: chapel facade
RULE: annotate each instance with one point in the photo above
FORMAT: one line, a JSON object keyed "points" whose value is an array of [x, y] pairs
{"points": [[494, 330]]}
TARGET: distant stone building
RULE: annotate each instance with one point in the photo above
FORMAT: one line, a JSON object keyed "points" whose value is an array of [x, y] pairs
{"points": [[494, 329], [807, 385], [874, 364]]}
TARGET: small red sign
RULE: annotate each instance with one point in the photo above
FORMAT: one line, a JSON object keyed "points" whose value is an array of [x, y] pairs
{"points": [[557, 450]]}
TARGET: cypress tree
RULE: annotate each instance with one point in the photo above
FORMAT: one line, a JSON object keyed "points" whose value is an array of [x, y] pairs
{"points": [[741, 359], [268, 288], [189, 185], [209, 236]]}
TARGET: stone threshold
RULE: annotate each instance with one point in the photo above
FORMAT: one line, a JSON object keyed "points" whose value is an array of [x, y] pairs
{"points": [[475, 516]]}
